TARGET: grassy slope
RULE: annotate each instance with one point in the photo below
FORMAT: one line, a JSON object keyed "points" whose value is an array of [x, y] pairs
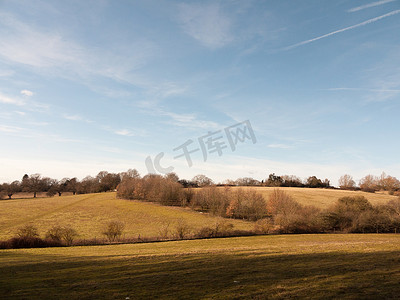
{"points": [[277, 267], [89, 213], [322, 198]]}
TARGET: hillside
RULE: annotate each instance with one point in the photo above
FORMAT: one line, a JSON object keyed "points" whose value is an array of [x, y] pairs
{"points": [[89, 213], [322, 198]]}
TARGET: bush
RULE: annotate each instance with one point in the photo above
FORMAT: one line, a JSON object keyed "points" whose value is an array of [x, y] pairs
{"points": [[247, 204], [263, 226], [69, 235], [61, 234], [182, 229], [55, 233], [30, 242], [372, 221], [28, 231], [113, 230], [164, 230]]}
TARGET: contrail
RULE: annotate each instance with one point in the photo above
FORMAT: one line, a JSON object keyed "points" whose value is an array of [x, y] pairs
{"points": [[344, 29], [369, 5]]}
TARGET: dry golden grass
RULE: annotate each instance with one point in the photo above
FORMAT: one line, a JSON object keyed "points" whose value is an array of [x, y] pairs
{"points": [[327, 266], [323, 198], [88, 215]]}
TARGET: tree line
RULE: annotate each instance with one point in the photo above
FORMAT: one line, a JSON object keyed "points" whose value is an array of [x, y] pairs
{"points": [[105, 181], [280, 213], [36, 183]]}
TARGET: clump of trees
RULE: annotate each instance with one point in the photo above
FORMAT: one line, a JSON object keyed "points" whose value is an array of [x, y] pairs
{"points": [[371, 183], [294, 181], [226, 202], [36, 183], [154, 188]]}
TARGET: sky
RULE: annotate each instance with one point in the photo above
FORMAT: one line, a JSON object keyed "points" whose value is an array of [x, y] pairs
{"points": [[246, 88]]}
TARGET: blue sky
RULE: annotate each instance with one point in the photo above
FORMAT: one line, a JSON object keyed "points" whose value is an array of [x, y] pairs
{"points": [[87, 86]]}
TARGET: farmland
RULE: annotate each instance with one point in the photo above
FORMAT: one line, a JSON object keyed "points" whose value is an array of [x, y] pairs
{"points": [[277, 267], [322, 198], [258, 267], [90, 212]]}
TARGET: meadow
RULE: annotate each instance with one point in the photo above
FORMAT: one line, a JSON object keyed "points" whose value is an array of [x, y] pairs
{"points": [[323, 198], [345, 266], [89, 213]]}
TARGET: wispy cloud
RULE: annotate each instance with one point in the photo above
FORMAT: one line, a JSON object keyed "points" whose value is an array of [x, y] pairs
{"points": [[190, 121], [279, 146], [27, 93], [373, 4], [10, 129], [76, 118], [361, 89], [11, 100], [206, 24], [343, 29], [124, 132], [52, 52]]}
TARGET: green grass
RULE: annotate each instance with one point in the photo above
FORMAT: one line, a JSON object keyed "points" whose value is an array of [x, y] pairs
{"points": [[273, 267], [88, 214]]}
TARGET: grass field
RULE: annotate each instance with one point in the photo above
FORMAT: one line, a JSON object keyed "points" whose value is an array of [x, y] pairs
{"points": [[88, 214], [274, 267], [322, 198]]}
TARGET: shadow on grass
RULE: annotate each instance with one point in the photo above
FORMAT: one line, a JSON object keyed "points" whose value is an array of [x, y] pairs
{"points": [[193, 276]]}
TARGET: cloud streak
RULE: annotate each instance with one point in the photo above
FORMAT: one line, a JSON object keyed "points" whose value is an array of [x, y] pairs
{"points": [[362, 89], [392, 13], [8, 100], [373, 4]]}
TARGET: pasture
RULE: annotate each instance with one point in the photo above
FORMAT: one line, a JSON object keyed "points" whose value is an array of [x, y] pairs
{"points": [[89, 213], [273, 267], [323, 198]]}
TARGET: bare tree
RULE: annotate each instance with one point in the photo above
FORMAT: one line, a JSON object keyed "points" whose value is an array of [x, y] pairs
{"points": [[202, 180], [346, 182], [369, 183]]}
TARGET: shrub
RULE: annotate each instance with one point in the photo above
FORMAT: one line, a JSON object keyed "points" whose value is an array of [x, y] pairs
{"points": [[30, 242], [164, 230], [28, 231], [247, 204], [61, 234], [55, 233], [69, 234], [113, 230], [279, 202], [187, 196], [372, 221], [182, 229], [263, 226]]}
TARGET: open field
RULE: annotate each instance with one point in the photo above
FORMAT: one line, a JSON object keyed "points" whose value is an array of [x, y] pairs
{"points": [[322, 198], [89, 213], [277, 267]]}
